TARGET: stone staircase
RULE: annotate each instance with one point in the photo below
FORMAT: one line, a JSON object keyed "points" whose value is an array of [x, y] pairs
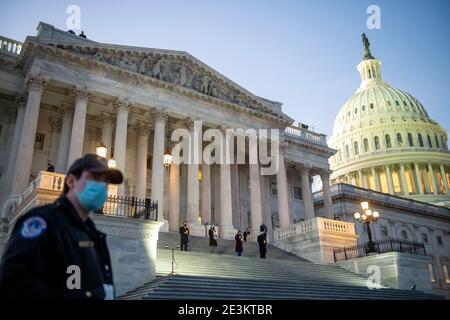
{"points": [[201, 244], [221, 275]]}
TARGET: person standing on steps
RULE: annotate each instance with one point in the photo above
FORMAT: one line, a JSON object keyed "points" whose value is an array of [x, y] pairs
{"points": [[262, 243], [239, 240], [212, 240], [246, 233], [184, 237]]}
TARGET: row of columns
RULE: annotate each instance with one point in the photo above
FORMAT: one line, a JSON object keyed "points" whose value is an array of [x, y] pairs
{"points": [[70, 147], [427, 174]]}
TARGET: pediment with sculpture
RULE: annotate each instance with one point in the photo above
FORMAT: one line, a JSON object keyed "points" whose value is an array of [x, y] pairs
{"points": [[175, 69]]}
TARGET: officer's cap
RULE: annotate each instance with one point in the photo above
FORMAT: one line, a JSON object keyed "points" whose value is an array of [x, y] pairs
{"points": [[96, 164]]}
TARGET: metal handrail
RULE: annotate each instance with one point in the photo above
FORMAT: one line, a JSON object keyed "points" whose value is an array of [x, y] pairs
{"points": [[130, 207], [381, 246]]}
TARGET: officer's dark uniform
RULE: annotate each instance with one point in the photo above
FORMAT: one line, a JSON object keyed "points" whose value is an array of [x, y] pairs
{"points": [[44, 243], [262, 243], [184, 235]]}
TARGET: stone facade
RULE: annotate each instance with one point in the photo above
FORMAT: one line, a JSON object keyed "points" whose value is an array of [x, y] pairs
{"points": [[64, 95]]}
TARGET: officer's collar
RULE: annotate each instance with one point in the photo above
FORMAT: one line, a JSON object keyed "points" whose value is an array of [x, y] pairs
{"points": [[72, 212]]}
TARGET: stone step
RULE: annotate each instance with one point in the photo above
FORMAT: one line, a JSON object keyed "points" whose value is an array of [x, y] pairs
{"points": [[181, 287]]}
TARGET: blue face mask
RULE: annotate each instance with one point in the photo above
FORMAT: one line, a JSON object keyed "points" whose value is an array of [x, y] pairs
{"points": [[93, 196]]}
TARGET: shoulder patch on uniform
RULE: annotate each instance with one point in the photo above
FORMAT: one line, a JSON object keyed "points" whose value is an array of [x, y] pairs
{"points": [[33, 227]]}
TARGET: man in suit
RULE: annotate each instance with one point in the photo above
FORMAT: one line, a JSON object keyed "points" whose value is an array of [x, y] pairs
{"points": [[184, 237], [262, 244]]}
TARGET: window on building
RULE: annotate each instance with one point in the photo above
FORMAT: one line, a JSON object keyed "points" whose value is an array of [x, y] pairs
{"points": [[410, 140], [355, 147], [371, 106], [424, 238], [298, 193], [443, 144], [437, 141], [399, 139], [388, 103], [446, 275], [439, 240], [366, 145], [404, 235], [405, 104], [39, 141], [356, 110], [340, 155], [347, 151], [397, 103], [377, 143], [419, 136], [363, 107], [274, 189], [388, 141], [431, 271], [384, 232], [430, 145]]}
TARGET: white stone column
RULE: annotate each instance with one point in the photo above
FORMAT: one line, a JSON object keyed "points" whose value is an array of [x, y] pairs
{"points": [[308, 201], [122, 107], [143, 131], [158, 163], [174, 194], [226, 228], [432, 178], [403, 179], [81, 96], [24, 158], [282, 190], [64, 139], [390, 182], [364, 180], [376, 179], [327, 201], [7, 179], [418, 177], [193, 185], [444, 179], [255, 199], [55, 126], [107, 131], [205, 209]]}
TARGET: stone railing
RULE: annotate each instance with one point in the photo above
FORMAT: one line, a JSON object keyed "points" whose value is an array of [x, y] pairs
{"points": [[49, 181], [306, 134], [318, 224], [10, 46]]}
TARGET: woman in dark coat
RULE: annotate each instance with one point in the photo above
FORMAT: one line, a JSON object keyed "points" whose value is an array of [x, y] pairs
{"points": [[239, 240]]}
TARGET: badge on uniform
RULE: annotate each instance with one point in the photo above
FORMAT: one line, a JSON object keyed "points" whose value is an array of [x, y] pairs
{"points": [[33, 227]]}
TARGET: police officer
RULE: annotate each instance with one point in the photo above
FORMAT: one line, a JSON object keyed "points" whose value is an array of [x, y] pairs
{"points": [[184, 237], [55, 251], [262, 244]]}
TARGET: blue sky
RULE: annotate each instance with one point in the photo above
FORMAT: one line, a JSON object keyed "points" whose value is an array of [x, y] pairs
{"points": [[301, 53]]}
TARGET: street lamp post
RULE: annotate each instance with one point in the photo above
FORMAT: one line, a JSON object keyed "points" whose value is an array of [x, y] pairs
{"points": [[367, 217]]}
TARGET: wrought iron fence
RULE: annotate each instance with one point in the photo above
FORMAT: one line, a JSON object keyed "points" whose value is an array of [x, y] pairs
{"points": [[130, 207], [381, 246]]}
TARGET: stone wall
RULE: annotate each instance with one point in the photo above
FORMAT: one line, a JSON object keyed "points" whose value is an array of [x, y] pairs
{"points": [[132, 245], [397, 270]]}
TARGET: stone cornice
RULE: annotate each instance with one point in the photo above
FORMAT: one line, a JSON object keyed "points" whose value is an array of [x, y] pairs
{"points": [[62, 55], [388, 200]]}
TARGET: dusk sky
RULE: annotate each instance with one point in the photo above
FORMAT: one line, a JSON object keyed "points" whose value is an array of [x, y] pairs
{"points": [[301, 53]]}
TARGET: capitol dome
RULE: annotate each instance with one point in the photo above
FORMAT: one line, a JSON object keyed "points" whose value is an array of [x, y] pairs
{"points": [[386, 141]]}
